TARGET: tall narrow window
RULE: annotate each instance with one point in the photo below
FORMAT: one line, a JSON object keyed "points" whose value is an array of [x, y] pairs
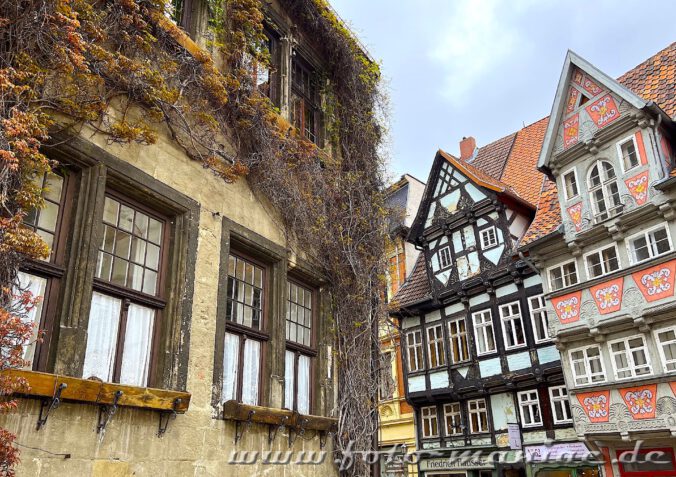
{"points": [[538, 316], [445, 257], [305, 110], [415, 350], [587, 365], [127, 297], [457, 332], [453, 419], [430, 424], [483, 332], [558, 395], [244, 338], [602, 262], [666, 345], [478, 416], [436, 353], [30, 313], [529, 407], [512, 325], [649, 244], [45, 220], [605, 196], [628, 154], [630, 358], [386, 386], [570, 189], [300, 348]]}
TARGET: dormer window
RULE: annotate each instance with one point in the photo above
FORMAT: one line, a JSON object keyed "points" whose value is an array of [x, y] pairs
{"points": [[445, 257], [628, 153], [605, 195], [489, 238]]}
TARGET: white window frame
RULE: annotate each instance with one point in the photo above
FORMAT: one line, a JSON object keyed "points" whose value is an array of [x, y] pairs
{"points": [[430, 417], [481, 327], [536, 315], [619, 145], [528, 405], [481, 407], [611, 210], [631, 365], [484, 233], [512, 317], [458, 431], [645, 233], [455, 340], [572, 170], [446, 249], [599, 252], [588, 372], [560, 266], [417, 344], [660, 348], [437, 345], [563, 398]]}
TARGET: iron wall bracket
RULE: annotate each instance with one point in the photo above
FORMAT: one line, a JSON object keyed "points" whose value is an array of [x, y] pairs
{"points": [[48, 405], [240, 426], [166, 416], [106, 412]]}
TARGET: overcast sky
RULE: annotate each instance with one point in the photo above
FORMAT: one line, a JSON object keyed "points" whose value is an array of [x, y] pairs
{"points": [[484, 68]]}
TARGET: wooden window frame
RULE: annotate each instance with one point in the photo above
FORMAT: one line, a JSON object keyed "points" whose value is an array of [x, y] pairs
{"points": [[478, 411], [455, 339], [565, 283], [435, 345], [574, 184], [629, 354], [660, 349], [432, 417], [306, 101], [605, 184], [485, 244], [589, 375], [648, 234], [483, 326], [599, 253], [528, 404], [540, 311], [420, 364], [620, 153], [514, 318], [299, 349], [459, 427], [562, 398]]}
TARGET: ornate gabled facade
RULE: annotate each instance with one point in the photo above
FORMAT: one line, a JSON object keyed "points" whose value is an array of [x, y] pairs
{"points": [[479, 357], [604, 241]]}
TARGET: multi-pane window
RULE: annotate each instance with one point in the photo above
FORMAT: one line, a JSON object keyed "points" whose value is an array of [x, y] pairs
{"points": [[453, 419], [483, 332], [430, 424], [489, 238], [666, 344], [125, 303], [264, 72], [512, 325], [129, 252], [563, 276], [630, 357], [570, 184], [587, 365], [386, 386], [305, 111], [558, 396], [478, 416], [445, 257], [415, 350], [539, 319], [628, 154], [44, 220], [243, 342], [436, 354], [529, 407], [30, 313], [457, 333], [299, 352], [649, 244], [603, 190], [602, 262]]}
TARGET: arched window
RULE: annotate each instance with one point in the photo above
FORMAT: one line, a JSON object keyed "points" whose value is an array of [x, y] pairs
{"points": [[603, 191]]}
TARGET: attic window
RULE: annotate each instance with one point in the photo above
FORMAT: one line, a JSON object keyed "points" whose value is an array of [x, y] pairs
{"points": [[445, 257], [583, 99]]}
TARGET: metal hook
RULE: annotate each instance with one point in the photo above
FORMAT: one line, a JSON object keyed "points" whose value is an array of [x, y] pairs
{"points": [[48, 405], [106, 412], [166, 416]]}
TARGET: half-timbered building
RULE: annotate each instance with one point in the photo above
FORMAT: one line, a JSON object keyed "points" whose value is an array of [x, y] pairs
{"points": [[604, 241], [480, 365]]}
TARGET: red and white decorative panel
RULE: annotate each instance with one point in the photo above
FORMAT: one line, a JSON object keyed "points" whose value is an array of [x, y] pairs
{"points": [[603, 111], [595, 405], [638, 187], [656, 283], [567, 307], [608, 295], [571, 102], [640, 401], [575, 214], [590, 87], [571, 129], [641, 148]]}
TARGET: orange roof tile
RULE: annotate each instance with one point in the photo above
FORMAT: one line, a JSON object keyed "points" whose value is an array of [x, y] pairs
{"points": [[492, 157], [548, 216], [415, 288], [655, 79]]}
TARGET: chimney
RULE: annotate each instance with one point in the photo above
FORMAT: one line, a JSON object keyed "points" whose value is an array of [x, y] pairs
{"points": [[467, 147]]}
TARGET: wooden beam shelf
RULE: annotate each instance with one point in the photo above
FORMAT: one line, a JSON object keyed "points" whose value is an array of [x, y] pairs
{"points": [[46, 385], [236, 411]]}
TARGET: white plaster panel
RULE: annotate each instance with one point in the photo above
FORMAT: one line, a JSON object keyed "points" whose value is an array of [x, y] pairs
{"points": [[519, 361], [532, 281], [548, 354], [454, 308], [434, 316], [410, 322], [506, 290], [439, 380], [504, 411], [478, 299], [490, 367], [416, 383]]}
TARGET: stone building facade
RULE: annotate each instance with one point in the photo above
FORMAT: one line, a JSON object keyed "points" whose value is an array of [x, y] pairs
{"points": [[603, 239], [182, 328]]}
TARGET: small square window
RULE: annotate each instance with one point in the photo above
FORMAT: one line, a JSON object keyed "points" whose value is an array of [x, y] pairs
{"points": [[562, 276], [602, 262], [489, 238], [570, 184], [649, 244]]}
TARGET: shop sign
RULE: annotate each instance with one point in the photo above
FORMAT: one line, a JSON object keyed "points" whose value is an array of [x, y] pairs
{"points": [[456, 462], [557, 452], [514, 434]]}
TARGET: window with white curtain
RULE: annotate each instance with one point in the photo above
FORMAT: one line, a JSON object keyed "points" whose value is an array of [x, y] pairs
{"points": [[127, 297], [300, 349], [243, 341], [30, 313]]}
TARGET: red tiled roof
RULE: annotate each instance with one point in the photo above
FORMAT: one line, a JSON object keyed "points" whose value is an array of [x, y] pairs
{"points": [[548, 216], [655, 79], [492, 157], [521, 172], [415, 288]]}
